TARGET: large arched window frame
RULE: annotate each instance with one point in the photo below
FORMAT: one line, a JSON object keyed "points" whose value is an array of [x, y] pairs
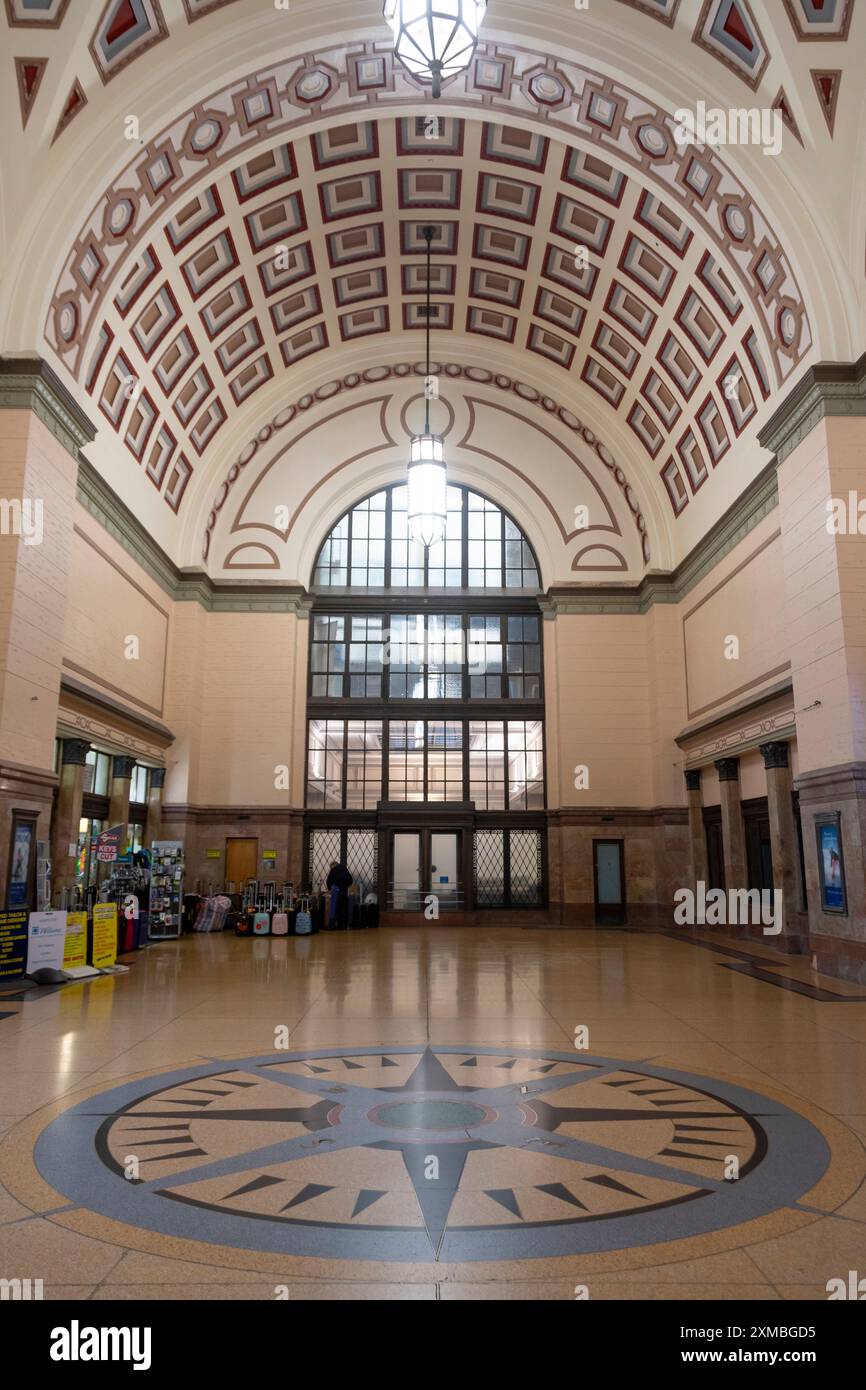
{"points": [[484, 548], [425, 698]]}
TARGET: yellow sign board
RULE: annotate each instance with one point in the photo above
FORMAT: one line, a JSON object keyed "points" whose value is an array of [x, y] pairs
{"points": [[75, 946], [104, 934]]}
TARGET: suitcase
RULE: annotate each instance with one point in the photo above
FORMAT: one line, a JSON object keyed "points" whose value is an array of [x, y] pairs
{"points": [[280, 924], [303, 919], [261, 924], [244, 925]]}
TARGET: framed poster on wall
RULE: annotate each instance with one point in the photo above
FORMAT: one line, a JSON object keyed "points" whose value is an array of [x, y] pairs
{"points": [[21, 879], [831, 864]]}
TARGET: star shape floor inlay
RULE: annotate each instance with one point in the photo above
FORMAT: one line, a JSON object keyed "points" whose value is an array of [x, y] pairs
{"points": [[441, 1153]]}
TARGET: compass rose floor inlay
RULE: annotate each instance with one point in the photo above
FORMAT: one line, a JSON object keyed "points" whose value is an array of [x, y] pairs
{"points": [[436, 1153]]}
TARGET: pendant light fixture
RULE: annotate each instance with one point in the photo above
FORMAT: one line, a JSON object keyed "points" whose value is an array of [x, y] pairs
{"points": [[427, 477], [435, 38]]}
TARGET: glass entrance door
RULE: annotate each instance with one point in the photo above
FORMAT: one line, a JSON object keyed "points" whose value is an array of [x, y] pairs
{"points": [[444, 877], [406, 870], [424, 862]]}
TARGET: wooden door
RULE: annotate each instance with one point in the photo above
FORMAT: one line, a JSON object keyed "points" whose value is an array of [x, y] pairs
{"points": [[242, 861]]}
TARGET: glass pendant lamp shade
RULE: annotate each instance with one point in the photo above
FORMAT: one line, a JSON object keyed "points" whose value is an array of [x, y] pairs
{"points": [[428, 490], [435, 38]]}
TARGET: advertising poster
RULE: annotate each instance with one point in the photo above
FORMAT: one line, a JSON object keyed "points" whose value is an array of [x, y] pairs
{"points": [[46, 939], [75, 946], [13, 943], [830, 866], [19, 870], [104, 935]]}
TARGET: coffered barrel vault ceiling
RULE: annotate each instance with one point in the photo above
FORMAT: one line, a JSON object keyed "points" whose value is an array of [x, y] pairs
{"points": [[260, 258]]}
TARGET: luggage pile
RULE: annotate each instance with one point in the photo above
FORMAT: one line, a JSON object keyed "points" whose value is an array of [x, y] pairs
{"points": [[264, 911]]}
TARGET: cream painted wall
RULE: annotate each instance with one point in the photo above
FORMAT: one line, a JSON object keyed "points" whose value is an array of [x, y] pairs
{"points": [[743, 598], [667, 702], [621, 688], [236, 703], [34, 465], [753, 778], [825, 579], [597, 671], [111, 599], [183, 698]]}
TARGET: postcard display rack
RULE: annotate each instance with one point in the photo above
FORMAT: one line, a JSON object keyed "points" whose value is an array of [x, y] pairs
{"points": [[166, 889]]}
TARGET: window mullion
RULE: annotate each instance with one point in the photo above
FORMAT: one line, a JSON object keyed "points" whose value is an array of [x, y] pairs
{"points": [[345, 769], [503, 646]]}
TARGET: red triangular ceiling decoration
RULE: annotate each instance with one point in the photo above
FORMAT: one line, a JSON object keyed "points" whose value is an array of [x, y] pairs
{"points": [[737, 27], [122, 20], [75, 102], [29, 72], [782, 105], [827, 85]]}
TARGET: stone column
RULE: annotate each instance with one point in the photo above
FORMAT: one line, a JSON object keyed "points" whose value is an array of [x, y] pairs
{"points": [[42, 430], [733, 834], [783, 841], [697, 834], [67, 813], [156, 783], [818, 436], [118, 807]]}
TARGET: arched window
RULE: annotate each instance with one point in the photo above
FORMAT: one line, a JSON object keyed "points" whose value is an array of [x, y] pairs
{"points": [[369, 547], [425, 705]]}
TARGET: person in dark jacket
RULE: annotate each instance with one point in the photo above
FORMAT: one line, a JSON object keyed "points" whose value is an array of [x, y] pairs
{"points": [[339, 881]]}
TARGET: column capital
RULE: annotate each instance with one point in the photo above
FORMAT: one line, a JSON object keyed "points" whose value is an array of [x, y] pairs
{"points": [[157, 778], [693, 779], [728, 769], [122, 768], [74, 752], [774, 754]]}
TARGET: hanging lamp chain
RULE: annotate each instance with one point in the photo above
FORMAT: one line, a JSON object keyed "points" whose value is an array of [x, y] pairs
{"points": [[428, 234]]}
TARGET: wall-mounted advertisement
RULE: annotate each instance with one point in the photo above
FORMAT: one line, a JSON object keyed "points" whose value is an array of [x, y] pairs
{"points": [[831, 865], [21, 861]]}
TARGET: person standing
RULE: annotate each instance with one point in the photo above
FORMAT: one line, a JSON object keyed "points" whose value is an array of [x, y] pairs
{"points": [[339, 882]]}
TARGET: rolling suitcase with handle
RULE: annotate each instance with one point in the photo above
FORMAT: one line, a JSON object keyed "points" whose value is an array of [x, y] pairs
{"points": [[244, 924], [280, 919], [303, 920], [261, 923]]}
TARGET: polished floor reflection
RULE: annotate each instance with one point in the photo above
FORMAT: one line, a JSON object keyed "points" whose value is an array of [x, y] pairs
{"points": [[403, 1114]]}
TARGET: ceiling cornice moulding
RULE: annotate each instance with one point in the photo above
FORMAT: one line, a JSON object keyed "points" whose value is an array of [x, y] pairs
{"points": [[827, 389]]}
